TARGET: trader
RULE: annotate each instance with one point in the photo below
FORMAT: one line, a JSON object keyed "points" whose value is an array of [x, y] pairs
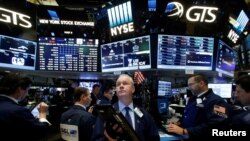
{"points": [[204, 111], [139, 119], [17, 121], [241, 121], [78, 116]]}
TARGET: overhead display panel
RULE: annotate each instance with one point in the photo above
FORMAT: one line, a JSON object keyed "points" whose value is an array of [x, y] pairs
{"points": [[185, 52], [129, 54], [68, 54], [17, 53], [226, 59]]}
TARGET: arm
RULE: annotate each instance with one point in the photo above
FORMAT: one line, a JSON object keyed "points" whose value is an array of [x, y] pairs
{"points": [[209, 119], [152, 133], [24, 119]]}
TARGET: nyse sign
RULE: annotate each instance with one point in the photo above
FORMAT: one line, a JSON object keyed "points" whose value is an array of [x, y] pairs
{"points": [[201, 14], [125, 28], [233, 36], [9, 16]]}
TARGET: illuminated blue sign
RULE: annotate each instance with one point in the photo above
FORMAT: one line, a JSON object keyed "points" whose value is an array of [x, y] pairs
{"points": [[121, 19]]}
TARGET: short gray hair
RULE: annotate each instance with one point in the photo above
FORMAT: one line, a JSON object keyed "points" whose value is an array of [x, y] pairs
{"points": [[126, 75]]}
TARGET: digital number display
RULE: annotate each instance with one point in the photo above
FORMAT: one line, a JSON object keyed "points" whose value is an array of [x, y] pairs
{"points": [[68, 54], [185, 52]]}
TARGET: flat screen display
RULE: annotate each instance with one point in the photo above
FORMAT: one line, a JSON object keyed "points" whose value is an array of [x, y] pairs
{"points": [[68, 54], [175, 91], [226, 59], [164, 88], [162, 105], [126, 55], [17, 53], [223, 90], [88, 84], [185, 52]]}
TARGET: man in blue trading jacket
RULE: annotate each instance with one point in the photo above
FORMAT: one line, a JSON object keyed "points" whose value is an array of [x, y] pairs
{"points": [[241, 121], [16, 121], [204, 111], [140, 120], [78, 116]]}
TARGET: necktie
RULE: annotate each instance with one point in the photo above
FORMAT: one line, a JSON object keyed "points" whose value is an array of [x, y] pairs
{"points": [[127, 116]]}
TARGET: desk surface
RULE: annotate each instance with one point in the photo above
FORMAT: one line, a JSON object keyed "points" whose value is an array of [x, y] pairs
{"points": [[176, 105]]}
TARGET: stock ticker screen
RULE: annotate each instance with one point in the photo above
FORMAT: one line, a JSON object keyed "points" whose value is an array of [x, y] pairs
{"points": [[164, 88], [68, 54], [126, 55], [17, 53], [185, 52]]}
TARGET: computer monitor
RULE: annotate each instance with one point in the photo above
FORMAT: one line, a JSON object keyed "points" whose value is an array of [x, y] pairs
{"points": [[162, 105], [175, 91], [226, 59], [164, 88], [223, 90]]}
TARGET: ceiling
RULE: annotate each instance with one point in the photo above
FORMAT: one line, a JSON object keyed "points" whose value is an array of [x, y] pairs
{"points": [[93, 4]]}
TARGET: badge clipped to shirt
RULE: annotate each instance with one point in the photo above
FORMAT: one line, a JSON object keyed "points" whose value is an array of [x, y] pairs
{"points": [[220, 111], [138, 112], [199, 103]]}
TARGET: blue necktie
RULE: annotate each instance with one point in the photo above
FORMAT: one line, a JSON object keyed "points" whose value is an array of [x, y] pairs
{"points": [[127, 116]]}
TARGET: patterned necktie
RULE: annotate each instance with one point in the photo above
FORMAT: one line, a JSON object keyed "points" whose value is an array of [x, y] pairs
{"points": [[127, 116]]}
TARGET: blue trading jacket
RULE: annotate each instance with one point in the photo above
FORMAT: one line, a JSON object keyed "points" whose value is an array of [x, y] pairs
{"points": [[145, 128], [200, 119]]}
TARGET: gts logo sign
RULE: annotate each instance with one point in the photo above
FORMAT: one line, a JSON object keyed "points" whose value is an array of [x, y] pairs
{"points": [[9, 16], [193, 14]]}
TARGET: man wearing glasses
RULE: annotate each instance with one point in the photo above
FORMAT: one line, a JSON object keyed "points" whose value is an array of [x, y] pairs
{"points": [[204, 111]]}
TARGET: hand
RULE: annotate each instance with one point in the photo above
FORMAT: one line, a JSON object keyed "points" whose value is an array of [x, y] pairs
{"points": [[108, 137], [42, 108], [173, 128], [117, 128], [112, 131], [91, 108]]}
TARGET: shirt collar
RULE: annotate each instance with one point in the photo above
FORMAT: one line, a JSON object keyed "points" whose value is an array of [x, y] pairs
{"points": [[122, 106], [199, 95], [80, 105], [11, 98]]}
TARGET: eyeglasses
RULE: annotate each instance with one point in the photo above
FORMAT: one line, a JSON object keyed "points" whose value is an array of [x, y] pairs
{"points": [[191, 84]]}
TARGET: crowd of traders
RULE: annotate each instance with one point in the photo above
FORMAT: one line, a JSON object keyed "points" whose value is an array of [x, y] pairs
{"points": [[205, 115]]}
